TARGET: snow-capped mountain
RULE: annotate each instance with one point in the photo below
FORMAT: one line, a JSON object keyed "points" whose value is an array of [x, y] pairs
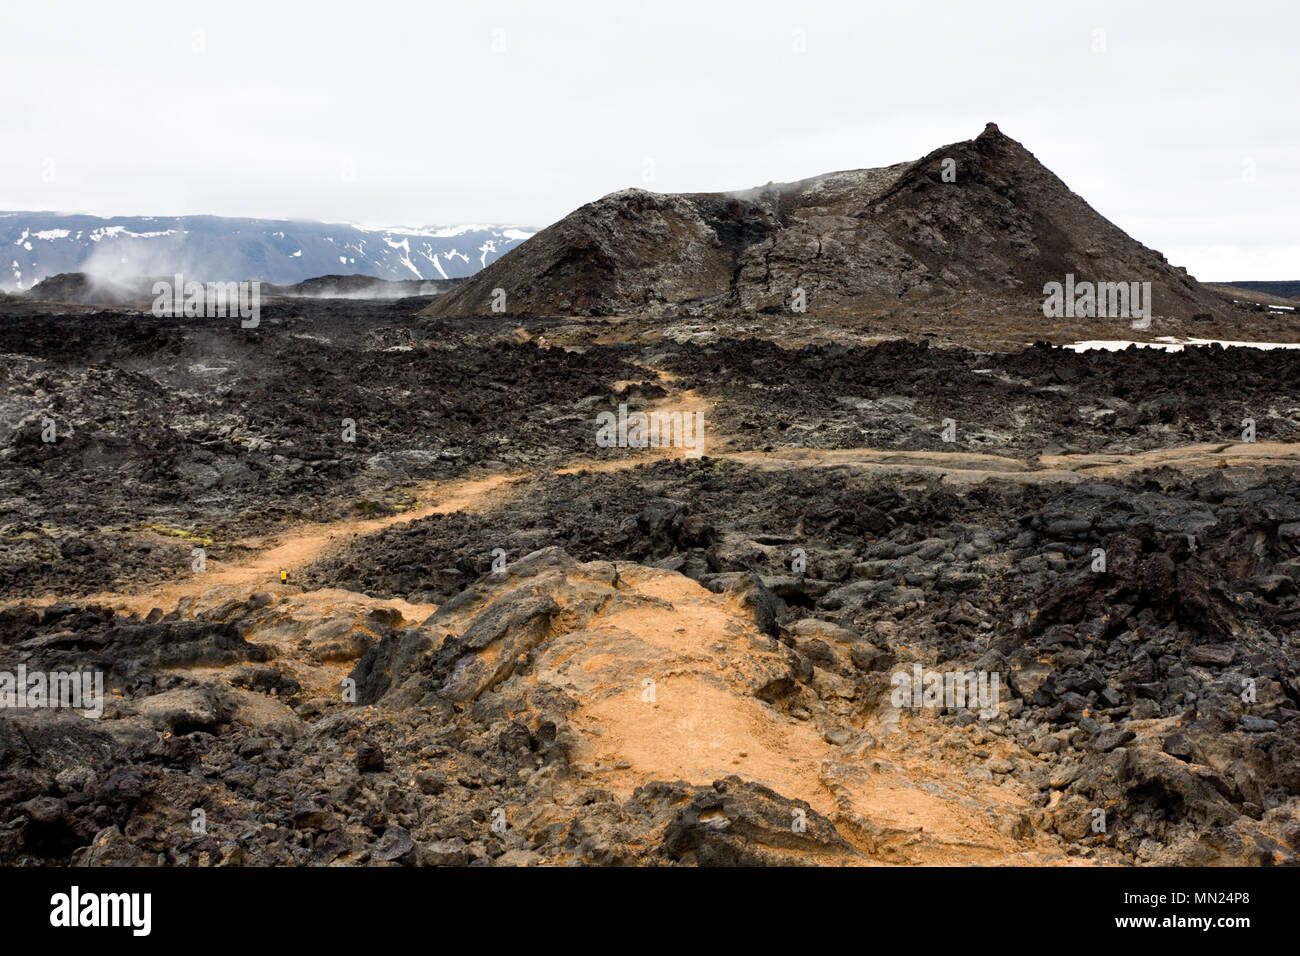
{"points": [[34, 245]]}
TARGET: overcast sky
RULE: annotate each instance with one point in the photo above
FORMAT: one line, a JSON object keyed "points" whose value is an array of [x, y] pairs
{"points": [[1177, 120]]}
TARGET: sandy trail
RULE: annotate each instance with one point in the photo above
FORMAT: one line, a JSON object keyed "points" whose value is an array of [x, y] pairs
{"points": [[667, 679], [973, 467], [696, 729], [902, 805], [299, 547]]}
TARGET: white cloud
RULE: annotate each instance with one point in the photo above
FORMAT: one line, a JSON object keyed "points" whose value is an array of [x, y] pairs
{"points": [[409, 116]]}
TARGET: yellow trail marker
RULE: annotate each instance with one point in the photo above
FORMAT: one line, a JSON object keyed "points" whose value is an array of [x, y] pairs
{"points": [[284, 576]]}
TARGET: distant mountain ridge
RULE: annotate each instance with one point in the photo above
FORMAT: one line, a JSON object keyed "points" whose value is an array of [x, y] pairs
{"points": [[1285, 289], [37, 245]]}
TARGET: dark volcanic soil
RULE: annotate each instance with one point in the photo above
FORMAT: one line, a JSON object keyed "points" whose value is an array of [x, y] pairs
{"points": [[203, 430], [898, 394], [676, 655]]}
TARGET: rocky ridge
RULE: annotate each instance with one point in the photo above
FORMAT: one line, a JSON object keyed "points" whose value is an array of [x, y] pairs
{"points": [[972, 228]]}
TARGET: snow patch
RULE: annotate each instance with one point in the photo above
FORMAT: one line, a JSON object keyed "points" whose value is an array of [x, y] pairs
{"points": [[1171, 344]]}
